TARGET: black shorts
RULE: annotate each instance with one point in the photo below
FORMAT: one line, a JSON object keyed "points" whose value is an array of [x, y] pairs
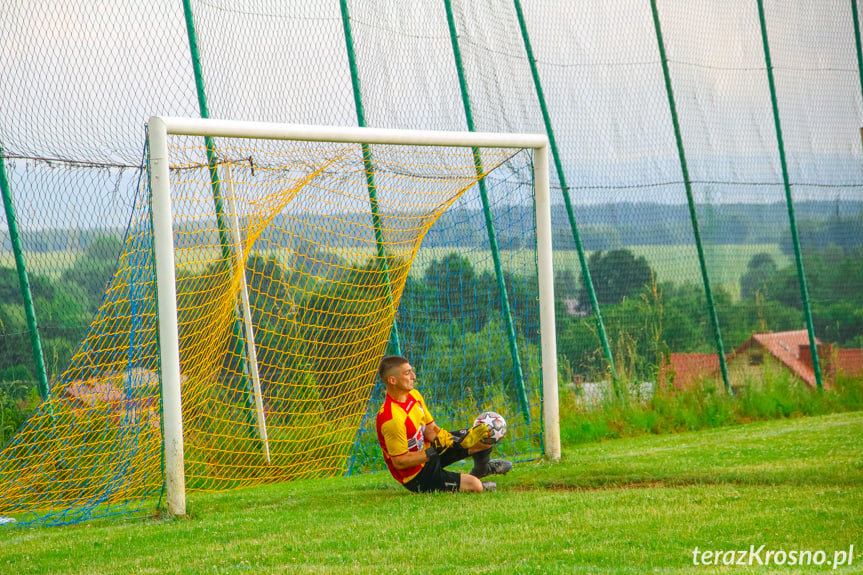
{"points": [[433, 476]]}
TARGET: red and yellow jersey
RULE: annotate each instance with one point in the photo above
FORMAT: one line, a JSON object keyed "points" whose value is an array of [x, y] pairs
{"points": [[400, 429]]}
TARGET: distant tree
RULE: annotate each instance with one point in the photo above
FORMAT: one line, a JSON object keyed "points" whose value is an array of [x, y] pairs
{"points": [[818, 234], [834, 278], [838, 322], [686, 326], [561, 239], [63, 314], [454, 280], [579, 343], [593, 237], [616, 274], [10, 287], [565, 285], [311, 258], [94, 270], [848, 277], [521, 293], [759, 269], [104, 248], [14, 344], [510, 242], [470, 365]]}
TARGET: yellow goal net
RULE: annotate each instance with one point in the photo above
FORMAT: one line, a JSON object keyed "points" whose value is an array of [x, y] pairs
{"points": [[296, 266]]}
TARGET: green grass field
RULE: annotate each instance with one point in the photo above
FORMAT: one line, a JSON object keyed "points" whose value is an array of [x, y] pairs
{"points": [[678, 264], [635, 505], [47, 264]]}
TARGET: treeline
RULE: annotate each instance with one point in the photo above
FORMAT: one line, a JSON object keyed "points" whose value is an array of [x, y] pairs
{"points": [[733, 224], [310, 313], [452, 303], [647, 317], [601, 227], [64, 308], [57, 240], [611, 226]]}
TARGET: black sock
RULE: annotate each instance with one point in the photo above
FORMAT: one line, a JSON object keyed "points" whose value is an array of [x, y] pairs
{"points": [[481, 459]]}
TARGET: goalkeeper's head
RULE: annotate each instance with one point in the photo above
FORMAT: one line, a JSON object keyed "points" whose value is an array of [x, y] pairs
{"points": [[396, 372]]}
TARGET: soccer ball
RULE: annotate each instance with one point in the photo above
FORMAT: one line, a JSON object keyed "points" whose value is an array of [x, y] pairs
{"points": [[496, 426]]}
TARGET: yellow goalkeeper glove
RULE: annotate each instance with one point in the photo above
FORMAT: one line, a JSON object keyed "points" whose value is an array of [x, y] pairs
{"points": [[472, 436], [467, 438], [443, 441]]}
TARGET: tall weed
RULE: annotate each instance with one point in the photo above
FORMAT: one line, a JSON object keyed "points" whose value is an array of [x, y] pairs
{"points": [[705, 405]]}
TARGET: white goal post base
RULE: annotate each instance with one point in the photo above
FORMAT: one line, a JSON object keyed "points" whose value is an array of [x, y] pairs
{"points": [[158, 130]]}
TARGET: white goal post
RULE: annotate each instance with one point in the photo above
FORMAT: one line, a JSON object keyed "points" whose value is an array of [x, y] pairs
{"points": [[158, 130]]}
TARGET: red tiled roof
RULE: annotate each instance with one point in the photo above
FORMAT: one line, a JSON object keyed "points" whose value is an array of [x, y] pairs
{"points": [[785, 346], [849, 361], [95, 394], [689, 367]]}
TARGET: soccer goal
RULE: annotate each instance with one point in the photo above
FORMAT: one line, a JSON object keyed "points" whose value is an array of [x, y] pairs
{"points": [[266, 270], [342, 214]]}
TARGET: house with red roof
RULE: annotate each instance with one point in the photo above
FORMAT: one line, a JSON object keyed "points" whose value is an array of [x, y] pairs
{"points": [[684, 369], [128, 397], [788, 349], [850, 362]]}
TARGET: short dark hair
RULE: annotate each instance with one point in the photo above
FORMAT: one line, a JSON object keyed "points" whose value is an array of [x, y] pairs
{"points": [[388, 363]]}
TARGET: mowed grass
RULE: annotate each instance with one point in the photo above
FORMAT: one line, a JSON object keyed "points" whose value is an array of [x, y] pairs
{"points": [[634, 505]]}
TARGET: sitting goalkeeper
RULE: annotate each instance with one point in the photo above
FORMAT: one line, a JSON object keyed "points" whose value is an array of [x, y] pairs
{"points": [[417, 450]]}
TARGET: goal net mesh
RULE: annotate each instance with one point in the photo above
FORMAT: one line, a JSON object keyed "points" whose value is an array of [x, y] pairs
{"points": [[343, 257]]}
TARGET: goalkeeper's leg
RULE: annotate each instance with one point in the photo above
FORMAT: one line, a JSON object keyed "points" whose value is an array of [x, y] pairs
{"points": [[433, 477], [484, 465], [471, 484]]}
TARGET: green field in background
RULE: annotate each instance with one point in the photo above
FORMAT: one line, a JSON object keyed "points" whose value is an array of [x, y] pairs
{"points": [[679, 264], [48, 264], [676, 263]]}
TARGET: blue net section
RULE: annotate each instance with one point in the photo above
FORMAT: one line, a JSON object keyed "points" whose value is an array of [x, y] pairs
{"points": [[452, 327]]}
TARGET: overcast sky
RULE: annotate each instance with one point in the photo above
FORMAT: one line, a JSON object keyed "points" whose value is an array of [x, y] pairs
{"points": [[78, 79]]}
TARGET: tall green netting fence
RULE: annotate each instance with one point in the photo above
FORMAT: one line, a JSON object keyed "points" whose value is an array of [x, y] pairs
{"points": [[78, 80], [603, 81], [819, 76]]}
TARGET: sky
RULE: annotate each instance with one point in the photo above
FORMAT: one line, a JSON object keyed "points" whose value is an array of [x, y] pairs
{"points": [[80, 78]]}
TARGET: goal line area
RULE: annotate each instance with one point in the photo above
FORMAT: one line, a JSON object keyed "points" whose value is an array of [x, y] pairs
{"points": [[267, 270]]}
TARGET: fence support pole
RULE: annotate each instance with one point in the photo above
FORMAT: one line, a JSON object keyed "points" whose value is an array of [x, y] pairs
{"points": [[489, 222], [255, 404], [856, 18], [792, 221], [23, 281], [711, 304], [369, 167], [567, 200]]}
